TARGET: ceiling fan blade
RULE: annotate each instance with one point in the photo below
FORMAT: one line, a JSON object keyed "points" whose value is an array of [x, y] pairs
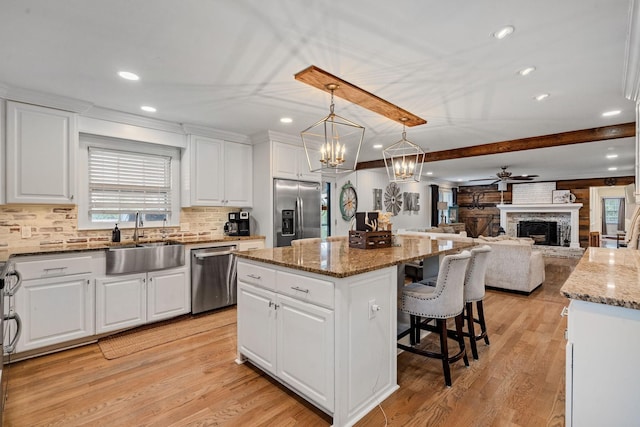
{"points": [[480, 179], [521, 178]]}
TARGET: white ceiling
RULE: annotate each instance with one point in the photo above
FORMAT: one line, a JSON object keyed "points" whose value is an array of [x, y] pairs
{"points": [[229, 64]]}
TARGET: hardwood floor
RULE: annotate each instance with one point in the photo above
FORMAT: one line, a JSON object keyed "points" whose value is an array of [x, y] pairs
{"points": [[517, 381]]}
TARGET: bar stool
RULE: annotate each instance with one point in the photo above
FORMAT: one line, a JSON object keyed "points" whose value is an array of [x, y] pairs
{"points": [[442, 302], [337, 238], [474, 292]]}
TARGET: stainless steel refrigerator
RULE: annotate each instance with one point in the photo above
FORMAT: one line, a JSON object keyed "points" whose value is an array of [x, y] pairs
{"points": [[296, 210]]}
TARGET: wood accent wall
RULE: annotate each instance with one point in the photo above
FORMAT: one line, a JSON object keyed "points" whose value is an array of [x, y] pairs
{"points": [[481, 216]]}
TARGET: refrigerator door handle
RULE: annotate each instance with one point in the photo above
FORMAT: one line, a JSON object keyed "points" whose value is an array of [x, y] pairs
{"points": [[301, 208], [296, 232]]}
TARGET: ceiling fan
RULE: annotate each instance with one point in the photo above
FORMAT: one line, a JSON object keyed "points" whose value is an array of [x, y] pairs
{"points": [[504, 176]]}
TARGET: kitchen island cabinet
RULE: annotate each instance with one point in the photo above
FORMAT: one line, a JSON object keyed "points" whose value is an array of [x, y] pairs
{"points": [[41, 154], [602, 372], [321, 318]]}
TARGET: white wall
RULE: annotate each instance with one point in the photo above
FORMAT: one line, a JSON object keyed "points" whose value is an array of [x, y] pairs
{"points": [[365, 181]]}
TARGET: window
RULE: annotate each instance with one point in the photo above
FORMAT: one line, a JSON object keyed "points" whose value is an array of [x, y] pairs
{"points": [[124, 177]]}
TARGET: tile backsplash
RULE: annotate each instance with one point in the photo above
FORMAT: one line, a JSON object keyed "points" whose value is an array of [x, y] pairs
{"points": [[58, 224]]}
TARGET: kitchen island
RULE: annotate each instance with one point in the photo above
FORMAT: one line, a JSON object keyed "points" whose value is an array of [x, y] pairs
{"points": [[602, 371], [321, 318]]}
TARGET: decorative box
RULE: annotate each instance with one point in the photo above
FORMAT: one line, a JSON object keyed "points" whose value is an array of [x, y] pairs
{"points": [[369, 239]]}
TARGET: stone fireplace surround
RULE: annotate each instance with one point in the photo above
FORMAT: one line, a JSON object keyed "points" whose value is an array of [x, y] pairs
{"points": [[565, 214]]}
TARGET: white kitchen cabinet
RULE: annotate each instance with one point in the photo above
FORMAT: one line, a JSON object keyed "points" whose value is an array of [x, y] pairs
{"points": [[250, 245], [602, 369], [2, 151], [121, 302], [41, 147], [56, 301], [220, 173], [55, 310], [124, 301], [305, 338], [290, 162], [285, 335], [168, 294], [257, 325]]}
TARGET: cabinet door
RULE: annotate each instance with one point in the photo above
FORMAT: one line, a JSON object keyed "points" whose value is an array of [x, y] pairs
{"points": [[55, 310], [285, 161], [121, 302], [257, 326], [168, 294], [305, 349], [238, 187], [304, 172], [41, 146], [207, 171]]}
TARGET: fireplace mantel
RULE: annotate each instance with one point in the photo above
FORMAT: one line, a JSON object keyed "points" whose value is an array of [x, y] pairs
{"points": [[571, 208]]}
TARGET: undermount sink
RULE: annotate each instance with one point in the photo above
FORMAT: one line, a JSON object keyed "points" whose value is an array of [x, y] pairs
{"points": [[143, 257]]}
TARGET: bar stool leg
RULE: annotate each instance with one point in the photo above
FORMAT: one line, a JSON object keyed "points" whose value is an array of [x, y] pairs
{"points": [[483, 325], [460, 334], [444, 350], [471, 330]]}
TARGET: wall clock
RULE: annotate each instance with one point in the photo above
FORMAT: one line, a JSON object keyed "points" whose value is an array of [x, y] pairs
{"points": [[348, 201], [392, 199]]}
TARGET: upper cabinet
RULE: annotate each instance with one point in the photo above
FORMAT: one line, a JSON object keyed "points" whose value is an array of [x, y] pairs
{"points": [[290, 162], [217, 173], [2, 152], [40, 154]]}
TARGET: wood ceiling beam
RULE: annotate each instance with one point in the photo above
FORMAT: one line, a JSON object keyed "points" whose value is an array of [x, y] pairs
{"points": [[604, 133], [319, 78]]}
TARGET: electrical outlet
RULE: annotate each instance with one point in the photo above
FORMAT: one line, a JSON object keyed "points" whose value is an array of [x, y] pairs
{"points": [[372, 308], [25, 231]]}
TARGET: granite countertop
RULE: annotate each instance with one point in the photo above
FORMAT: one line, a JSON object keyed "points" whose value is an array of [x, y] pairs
{"points": [[606, 276], [337, 259], [6, 253]]}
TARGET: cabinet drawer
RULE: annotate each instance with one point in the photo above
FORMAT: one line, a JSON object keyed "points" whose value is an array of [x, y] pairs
{"points": [[53, 267], [257, 275], [307, 289]]}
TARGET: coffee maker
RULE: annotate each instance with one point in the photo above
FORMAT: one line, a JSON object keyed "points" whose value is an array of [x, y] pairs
{"points": [[238, 224]]}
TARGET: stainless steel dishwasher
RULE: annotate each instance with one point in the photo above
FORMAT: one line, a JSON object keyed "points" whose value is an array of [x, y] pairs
{"points": [[213, 278]]}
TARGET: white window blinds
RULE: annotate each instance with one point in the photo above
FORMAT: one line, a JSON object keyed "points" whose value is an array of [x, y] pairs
{"points": [[122, 182]]}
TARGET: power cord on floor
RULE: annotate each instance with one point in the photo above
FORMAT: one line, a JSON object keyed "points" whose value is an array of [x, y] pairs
{"points": [[383, 413]]}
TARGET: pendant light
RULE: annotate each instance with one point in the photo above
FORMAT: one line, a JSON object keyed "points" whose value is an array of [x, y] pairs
{"points": [[333, 143], [404, 159]]}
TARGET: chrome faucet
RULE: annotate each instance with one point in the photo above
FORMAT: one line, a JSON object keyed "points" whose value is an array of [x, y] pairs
{"points": [[136, 236]]}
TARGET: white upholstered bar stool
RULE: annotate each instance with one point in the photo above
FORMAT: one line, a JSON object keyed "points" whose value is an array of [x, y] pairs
{"points": [[442, 302], [474, 292], [337, 238], [299, 242]]}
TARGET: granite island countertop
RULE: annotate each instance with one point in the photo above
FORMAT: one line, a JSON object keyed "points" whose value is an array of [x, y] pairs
{"points": [[337, 259], [606, 276]]}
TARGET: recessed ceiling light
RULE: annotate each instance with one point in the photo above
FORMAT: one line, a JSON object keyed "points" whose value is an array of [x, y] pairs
{"points": [[286, 120], [613, 169], [429, 173], [541, 96], [611, 113], [460, 180], [611, 156], [504, 32], [128, 75], [148, 109], [377, 146], [526, 71]]}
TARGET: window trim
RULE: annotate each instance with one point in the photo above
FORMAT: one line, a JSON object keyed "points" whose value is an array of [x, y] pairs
{"points": [[88, 140]]}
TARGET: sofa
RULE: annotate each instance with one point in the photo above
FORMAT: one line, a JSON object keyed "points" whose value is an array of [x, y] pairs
{"points": [[514, 264]]}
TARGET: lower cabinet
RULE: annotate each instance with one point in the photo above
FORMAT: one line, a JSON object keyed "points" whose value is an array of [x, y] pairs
{"points": [[135, 299], [55, 310], [289, 338]]}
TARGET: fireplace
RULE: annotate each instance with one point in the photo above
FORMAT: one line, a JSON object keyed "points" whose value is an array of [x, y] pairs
{"points": [[542, 232]]}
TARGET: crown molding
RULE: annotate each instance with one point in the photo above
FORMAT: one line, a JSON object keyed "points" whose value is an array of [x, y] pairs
{"points": [[632, 58], [191, 129], [107, 114], [30, 96]]}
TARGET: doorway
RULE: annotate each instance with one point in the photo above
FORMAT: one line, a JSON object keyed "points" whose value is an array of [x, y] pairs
{"points": [[325, 210]]}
